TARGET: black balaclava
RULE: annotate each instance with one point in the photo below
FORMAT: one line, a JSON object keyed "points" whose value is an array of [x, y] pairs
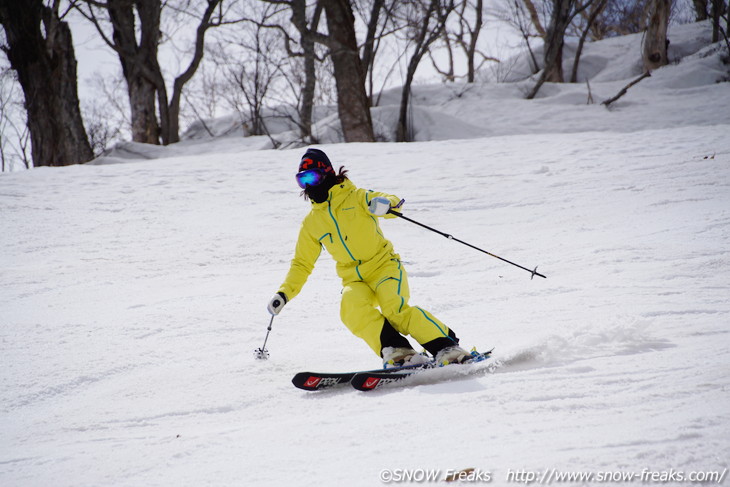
{"points": [[317, 159], [320, 193]]}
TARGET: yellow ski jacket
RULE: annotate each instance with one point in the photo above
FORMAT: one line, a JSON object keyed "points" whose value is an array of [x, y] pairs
{"points": [[351, 234]]}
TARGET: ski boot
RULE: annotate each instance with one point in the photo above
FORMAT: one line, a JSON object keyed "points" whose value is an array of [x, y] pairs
{"points": [[401, 356], [452, 355]]}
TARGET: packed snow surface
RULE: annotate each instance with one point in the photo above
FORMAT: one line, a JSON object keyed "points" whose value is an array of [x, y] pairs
{"points": [[133, 295]]}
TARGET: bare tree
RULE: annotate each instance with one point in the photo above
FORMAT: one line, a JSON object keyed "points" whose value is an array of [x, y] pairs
{"points": [[205, 95], [12, 115], [562, 15], [5, 119], [469, 35], [298, 73], [563, 11], [426, 21], [307, 29], [137, 48], [379, 18], [717, 9], [353, 105], [655, 39], [621, 18], [369, 47], [108, 96], [257, 67], [449, 73], [527, 22], [139, 61], [40, 50], [14, 135], [700, 7], [470, 20], [171, 126], [534, 17], [595, 11], [308, 37], [342, 48], [101, 133]]}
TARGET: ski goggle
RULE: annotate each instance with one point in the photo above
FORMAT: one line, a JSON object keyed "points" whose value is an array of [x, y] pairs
{"points": [[310, 177]]}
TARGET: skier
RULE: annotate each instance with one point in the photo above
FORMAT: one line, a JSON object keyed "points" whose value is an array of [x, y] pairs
{"points": [[343, 220]]}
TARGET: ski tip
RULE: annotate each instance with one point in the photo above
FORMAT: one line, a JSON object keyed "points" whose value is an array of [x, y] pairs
{"points": [[316, 381], [307, 381]]}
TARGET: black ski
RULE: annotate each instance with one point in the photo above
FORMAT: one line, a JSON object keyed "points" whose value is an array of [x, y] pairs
{"points": [[317, 381], [370, 380]]}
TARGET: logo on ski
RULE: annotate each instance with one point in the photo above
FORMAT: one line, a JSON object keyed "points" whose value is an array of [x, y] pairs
{"points": [[312, 382], [371, 383]]}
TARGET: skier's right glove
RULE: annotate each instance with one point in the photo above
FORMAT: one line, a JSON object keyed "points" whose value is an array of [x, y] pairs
{"points": [[379, 206], [277, 303]]}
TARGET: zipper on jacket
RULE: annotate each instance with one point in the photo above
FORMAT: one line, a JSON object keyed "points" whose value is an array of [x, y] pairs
{"points": [[339, 233]]}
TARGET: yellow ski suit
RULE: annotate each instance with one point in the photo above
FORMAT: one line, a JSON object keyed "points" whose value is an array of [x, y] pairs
{"points": [[372, 274]]}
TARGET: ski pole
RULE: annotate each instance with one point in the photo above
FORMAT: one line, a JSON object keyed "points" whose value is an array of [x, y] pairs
{"points": [[262, 353], [533, 272]]}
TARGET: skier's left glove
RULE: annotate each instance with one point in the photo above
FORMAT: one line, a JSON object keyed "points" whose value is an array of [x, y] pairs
{"points": [[379, 206], [277, 303]]}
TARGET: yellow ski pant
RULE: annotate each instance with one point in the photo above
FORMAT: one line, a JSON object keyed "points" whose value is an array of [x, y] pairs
{"points": [[386, 288]]}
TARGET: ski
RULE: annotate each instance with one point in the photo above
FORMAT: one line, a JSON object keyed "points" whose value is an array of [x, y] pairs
{"points": [[370, 380], [317, 381]]}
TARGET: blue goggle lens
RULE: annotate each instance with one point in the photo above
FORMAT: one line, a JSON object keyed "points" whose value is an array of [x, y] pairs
{"points": [[311, 177]]}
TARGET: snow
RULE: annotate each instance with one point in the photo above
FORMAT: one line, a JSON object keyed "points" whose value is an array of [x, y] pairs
{"points": [[133, 295]]}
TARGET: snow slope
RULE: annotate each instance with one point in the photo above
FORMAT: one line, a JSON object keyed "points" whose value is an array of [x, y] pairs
{"points": [[132, 296]]}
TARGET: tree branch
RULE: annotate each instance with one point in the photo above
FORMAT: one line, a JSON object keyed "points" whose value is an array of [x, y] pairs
{"points": [[623, 91]]}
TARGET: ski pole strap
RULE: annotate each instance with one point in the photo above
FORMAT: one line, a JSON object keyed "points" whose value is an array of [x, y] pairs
{"points": [[533, 272]]}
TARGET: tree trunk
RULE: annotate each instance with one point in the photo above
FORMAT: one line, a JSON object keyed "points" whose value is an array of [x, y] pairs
{"points": [[173, 113], [135, 58], [534, 17], [471, 52], [595, 12], [306, 110], [368, 50], [402, 134], [700, 10], [306, 40], [655, 40], [142, 94], [46, 68], [352, 101], [426, 36], [717, 10], [555, 39]]}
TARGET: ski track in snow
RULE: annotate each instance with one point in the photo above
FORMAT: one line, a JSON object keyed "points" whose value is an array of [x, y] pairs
{"points": [[133, 295]]}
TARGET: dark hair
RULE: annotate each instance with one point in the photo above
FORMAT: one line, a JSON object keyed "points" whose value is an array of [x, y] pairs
{"points": [[342, 175], [330, 181]]}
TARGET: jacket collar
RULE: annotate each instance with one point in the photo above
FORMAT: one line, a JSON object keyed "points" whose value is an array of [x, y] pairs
{"points": [[337, 194]]}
